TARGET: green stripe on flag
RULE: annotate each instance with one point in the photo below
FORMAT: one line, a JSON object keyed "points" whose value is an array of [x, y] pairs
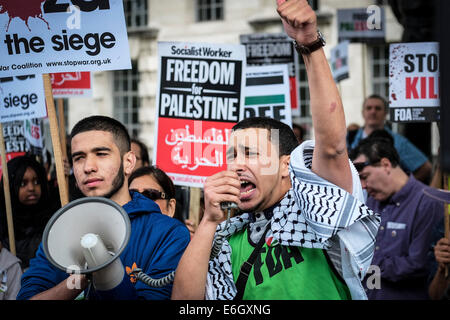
{"points": [[249, 101]]}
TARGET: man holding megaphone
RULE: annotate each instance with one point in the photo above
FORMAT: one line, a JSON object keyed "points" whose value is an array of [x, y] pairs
{"points": [[143, 237]]}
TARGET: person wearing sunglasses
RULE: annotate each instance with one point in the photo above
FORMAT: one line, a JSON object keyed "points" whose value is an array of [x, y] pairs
{"points": [[155, 184], [408, 218]]}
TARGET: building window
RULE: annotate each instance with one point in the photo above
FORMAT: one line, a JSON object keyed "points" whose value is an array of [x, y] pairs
{"points": [[136, 14], [209, 10], [126, 98], [379, 57]]}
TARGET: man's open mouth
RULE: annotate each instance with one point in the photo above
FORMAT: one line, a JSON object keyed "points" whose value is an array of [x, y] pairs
{"points": [[247, 188]]}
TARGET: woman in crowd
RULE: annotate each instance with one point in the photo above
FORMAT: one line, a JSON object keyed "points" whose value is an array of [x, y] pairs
{"points": [[156, 185], [31, 206]]}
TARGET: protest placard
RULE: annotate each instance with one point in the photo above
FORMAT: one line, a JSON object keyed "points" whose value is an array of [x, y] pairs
{"points": [[51, 36], [361, 24], [62, 36], [339, 61], [22, 137], [267, 93], [22, 97], [71, 84], [275, 48], [199, 99], [414, 82]]}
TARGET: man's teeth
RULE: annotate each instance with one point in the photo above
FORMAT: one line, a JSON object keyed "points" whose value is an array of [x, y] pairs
{"points": [[248, 191]]}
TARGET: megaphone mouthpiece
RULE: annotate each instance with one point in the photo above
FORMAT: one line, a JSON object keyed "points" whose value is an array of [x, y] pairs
{"points": [[89, 240], [94, 250]]}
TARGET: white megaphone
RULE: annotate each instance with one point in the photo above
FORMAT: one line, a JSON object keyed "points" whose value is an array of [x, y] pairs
{"points": [[87, 236]]}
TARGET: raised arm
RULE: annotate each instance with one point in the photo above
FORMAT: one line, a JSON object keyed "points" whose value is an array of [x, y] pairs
{"points": [[330, 159]]}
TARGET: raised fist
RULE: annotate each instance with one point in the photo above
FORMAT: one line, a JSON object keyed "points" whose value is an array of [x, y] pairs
{"points": [[299, 20]]}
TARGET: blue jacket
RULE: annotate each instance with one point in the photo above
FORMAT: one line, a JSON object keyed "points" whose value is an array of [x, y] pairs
{"points": [[411, 158], [156, 245]]}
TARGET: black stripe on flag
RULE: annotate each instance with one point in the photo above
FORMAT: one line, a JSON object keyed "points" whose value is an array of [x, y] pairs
{"points": [[264, 81]]}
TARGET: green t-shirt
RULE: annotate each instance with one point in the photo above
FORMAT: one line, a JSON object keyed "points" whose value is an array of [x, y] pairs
{"points": [[286, 273]]}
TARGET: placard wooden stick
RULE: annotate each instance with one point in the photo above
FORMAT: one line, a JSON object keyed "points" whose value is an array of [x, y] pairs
{"points": [[56, 142]]}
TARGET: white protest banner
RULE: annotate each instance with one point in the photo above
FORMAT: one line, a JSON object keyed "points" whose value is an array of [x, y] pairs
{"points": [[361, 24], [275, 48], [339, 61], [414, 82], [62, 35], [22, 97], [199, 99], [71, 84], [267, 93]]}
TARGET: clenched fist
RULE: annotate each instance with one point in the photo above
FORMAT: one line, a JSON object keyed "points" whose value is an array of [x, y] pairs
{"points": [[221, 187], [299, 20]]}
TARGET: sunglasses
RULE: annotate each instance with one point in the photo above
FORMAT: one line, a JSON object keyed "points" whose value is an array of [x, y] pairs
{"points": [[151, 193], [359, 166]]}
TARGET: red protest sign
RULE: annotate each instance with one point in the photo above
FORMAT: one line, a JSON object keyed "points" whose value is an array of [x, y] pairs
{"points": [[191, 150], [71, 84]]}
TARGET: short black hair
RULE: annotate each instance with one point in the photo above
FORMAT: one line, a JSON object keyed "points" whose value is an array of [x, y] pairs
{"points": [[103, 123], [382, 134], [144, 151], [160, 176], [376, 148], [287, 139]]}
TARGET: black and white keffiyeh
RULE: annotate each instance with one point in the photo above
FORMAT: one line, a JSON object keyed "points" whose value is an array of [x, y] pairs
{"points": [[314, 213]]}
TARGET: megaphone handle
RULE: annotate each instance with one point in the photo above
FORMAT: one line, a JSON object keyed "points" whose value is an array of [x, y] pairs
{"points": [[155, 283]]}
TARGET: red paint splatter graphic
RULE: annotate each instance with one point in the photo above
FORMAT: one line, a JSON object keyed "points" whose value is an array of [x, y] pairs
{"points": [[22, 9]]}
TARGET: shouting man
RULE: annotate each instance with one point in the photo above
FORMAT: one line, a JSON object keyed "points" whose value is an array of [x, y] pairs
{"points": [[304, 232]]}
